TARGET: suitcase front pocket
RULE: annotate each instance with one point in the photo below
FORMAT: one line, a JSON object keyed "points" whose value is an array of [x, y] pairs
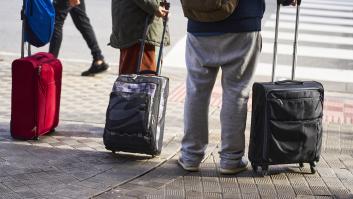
{"points": [[127, 113], [48, 88], [47, 106], [294, 141], [295, 109]]}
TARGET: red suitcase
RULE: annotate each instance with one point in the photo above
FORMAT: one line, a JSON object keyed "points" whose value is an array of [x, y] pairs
{"points": [[36, 89]]}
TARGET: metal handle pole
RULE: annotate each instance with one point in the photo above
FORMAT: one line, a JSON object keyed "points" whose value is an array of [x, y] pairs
{"points": [[23, 41], [29, 49], [274, 64], [23, 30], [295, 45], [159, 64], [142, 47], [165, 20]]}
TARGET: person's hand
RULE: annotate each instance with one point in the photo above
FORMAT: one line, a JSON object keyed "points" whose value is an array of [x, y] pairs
{"points": [[161, 12], [288, 2], [73, 3], [294, 2]]}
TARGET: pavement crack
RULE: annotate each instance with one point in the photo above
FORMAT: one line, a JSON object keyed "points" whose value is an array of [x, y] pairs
{"points": [[96, 174], [137, 176]]}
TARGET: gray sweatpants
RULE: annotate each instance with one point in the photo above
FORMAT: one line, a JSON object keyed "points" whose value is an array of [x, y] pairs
{"points": [[236, 54]]}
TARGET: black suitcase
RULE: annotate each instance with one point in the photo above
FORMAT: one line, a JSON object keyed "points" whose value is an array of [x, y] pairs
{"points": [[286, 123], [136, 111]]}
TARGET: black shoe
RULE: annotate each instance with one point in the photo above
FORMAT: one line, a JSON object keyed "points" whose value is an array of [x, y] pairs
{"points": [[95, 69]]}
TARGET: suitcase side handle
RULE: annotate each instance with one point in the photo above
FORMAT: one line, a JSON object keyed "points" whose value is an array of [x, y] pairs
{"points": [[295, 43], [286, 82]]}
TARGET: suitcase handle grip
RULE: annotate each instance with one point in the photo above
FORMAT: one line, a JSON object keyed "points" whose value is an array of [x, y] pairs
{"points": [[148, 72], [286, 82], [287, 2], [40, 57]]}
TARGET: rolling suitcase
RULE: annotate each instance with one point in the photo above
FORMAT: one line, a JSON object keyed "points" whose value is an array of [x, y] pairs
{"points": [[36, 90], [136, 111], [286, 123]]}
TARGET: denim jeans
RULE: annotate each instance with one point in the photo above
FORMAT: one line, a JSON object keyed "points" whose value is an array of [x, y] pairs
{"points": [[82, 23]]}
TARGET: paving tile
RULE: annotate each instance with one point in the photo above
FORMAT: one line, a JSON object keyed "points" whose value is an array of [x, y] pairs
{"points": [[28, 194], [266, 189], [231, 196], [266, 180], [299, 196], [212, 195], [248, 188], [13, 184], [285, 189], [320, 190], [210, 184], [250, 196], [302, 190], [326, 172], [10, 196], [158, 196], [4, 189]]}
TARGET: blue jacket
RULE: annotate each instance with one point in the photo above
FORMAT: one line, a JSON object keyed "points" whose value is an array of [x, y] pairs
{"points": [[246, 18]]}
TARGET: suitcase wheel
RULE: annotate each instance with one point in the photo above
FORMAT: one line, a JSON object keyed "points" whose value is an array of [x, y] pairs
{"points": [[313, 167], [301, 165], [36, 138], [264, 170], [254, 167], [113, 151]]}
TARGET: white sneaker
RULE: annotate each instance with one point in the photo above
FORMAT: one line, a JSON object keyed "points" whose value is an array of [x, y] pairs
{"points": [[235, 170], [188, 167]]}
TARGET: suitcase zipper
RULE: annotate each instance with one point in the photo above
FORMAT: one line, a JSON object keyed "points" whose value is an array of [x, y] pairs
{"points": [[295, 89], [39, 70], [35, 128]]}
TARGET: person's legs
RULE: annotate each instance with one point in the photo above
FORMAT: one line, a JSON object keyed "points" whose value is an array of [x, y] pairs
{"points": [[61, 10], [128, 59], [237, 74], [199, 85], [82, 23]]}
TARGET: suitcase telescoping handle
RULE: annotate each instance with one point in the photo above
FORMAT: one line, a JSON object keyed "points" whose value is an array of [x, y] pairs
{"points": [[295, 43], [24, 23], [143, 41]]}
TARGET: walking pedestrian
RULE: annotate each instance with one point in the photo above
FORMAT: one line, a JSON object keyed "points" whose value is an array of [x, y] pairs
{"points": [[77, 10], [129, 19], [228, 38]]}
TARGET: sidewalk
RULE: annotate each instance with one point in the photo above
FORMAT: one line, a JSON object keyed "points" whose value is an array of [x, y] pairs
{"points": [[73, 163]]}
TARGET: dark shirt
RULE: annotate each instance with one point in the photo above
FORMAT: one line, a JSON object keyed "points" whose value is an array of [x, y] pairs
{"points": [[245, 18]]}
